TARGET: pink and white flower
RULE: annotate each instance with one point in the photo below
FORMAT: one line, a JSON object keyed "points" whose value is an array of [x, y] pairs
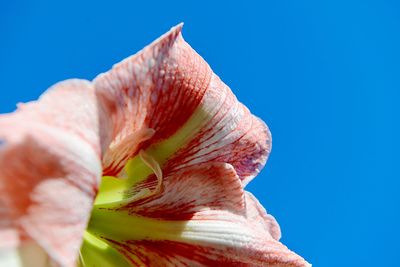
{"points": [[144, 166]]}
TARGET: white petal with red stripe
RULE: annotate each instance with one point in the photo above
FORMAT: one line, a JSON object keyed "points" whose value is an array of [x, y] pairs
{"points": [[169, 88], [200, 217]]}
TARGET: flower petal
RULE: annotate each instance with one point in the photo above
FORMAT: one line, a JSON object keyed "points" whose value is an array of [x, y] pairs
{"points": [[50, 171], [28, 254], [195, 189], [201, 217], [169, 88], [231, 134], [69, 105]]}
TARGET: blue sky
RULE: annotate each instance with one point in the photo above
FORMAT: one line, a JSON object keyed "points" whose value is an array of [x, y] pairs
{"points": [[324, 75]]}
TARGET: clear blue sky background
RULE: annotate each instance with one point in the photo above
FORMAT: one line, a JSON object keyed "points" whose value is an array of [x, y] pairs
{"points": [[324, 75]]}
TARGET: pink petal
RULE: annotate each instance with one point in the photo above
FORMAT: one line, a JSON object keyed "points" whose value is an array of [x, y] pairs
{"points": [[161, 88], [201, 217], [208, 186], [232, 135], [70, 105], [50, 171], [26, 255]]}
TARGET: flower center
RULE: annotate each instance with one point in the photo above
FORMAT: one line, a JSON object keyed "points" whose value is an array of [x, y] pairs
{"points": [[108, 223]]}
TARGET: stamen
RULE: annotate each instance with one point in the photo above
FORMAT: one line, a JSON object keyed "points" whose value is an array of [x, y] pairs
{"points": [[152, 164], [123, 191], [146, 192], [119, 151]]}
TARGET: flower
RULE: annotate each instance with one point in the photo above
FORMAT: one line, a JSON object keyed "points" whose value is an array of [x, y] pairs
{"points": [[144, 166]]}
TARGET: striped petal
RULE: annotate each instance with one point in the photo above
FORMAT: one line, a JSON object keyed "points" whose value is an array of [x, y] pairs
{"points": [[50, 170], [201, 216], [169, 90]]}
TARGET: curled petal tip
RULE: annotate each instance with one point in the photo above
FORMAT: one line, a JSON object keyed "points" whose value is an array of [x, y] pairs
{"points": [[177, 27], [173, 33]]}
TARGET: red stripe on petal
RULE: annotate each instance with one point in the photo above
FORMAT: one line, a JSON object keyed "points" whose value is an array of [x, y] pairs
{"points": [[190, 191], [158, 88], [205, 218], [171, 253], [232, 135]]}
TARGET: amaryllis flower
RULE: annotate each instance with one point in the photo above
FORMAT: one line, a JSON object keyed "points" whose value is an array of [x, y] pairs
{"points": [[144, 166]]}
